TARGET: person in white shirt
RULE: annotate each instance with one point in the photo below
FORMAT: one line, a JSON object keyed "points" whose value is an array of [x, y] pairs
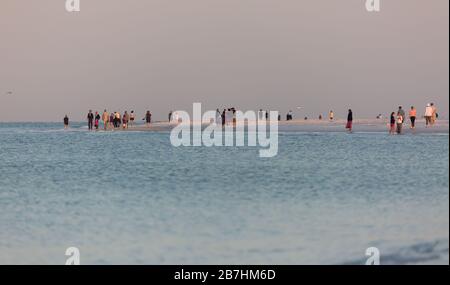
{"points": [[428, 114]]}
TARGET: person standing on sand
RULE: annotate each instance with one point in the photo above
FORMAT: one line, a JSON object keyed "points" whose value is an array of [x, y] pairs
{"points": [[349, 125], [289, 116], [392, 124], [433, 114], [111, 120], [66, 122], [399, 123], [132, 117], [428, 115], [148, 118], [118, 119], [97, 120], [90, 118], [401, 112], [229, 117], [125, 120], [105, 119], [218, 117], [260, 114], [170, 116], [412, 117], [331, 115], [224, 117]]}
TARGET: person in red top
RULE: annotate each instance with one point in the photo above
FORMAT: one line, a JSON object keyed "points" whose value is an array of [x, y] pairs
{"points": [[412, 116]]}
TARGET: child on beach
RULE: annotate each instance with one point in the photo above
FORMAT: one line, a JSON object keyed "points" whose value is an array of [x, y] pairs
{"points": [[97, 120]]}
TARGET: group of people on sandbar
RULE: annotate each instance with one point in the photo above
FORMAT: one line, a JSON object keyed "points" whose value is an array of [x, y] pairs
{"points": [[116, 120], [397, 119], [111, 121]]}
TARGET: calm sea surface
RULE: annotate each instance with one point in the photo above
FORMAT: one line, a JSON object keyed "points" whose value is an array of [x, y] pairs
{"points": [[130, 197]]}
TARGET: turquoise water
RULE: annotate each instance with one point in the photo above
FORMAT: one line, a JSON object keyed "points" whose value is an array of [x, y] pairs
{"points": [[132, 198]]}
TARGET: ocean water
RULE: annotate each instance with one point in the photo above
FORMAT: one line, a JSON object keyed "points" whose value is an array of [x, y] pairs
{"points": [[132, 198]]}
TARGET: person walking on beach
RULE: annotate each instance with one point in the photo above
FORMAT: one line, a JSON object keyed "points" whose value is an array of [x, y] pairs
{"points": [[66, 122], [349, 125], [428, 115], [90, 118], [412, 117], [399, 122], [392, 124], [105, 119], [331, 115], [97, 120], [433, 114], [148, 118]]}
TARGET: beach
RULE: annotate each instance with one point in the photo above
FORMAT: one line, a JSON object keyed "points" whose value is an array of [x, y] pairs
{"points": [[315, 125]]}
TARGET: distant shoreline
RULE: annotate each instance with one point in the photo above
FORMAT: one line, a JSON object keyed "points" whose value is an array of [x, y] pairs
{"points": [[361, 125], [310, 125]]}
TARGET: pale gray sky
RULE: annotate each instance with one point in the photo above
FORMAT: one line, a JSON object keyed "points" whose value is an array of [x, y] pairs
{"points": [[271, 54]]}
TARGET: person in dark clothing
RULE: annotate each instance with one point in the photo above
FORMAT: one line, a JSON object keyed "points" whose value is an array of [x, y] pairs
{"points": [[392, 124], [97, 120], [223, 117], [148, 118], [349, 125], [66, 122], [170, 116], [90, 118]]}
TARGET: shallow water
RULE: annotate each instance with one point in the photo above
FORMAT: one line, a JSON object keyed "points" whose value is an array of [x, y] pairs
{"points": [[132, 198]]}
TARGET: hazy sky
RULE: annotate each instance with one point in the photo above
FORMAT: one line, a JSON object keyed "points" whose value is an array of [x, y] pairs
{"points": [[271, 54]]}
